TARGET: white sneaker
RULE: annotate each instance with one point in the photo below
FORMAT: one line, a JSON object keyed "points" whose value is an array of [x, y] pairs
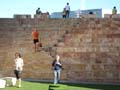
{"points": [[19, 86]]}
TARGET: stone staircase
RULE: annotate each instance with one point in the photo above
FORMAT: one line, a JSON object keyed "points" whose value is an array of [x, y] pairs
{"points": [[89, 48]]}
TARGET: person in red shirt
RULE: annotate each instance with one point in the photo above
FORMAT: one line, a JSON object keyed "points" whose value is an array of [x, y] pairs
{"points": [[35, 35]]}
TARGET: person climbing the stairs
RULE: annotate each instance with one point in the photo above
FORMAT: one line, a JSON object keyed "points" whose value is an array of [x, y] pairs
{"points": [[35, 35]]}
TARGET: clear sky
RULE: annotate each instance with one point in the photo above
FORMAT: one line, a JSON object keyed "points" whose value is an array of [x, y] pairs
{"points": [[10, 7]]}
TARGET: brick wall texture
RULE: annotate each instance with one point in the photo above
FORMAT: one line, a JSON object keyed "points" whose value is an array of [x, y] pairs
{"points": [[89, 48]]}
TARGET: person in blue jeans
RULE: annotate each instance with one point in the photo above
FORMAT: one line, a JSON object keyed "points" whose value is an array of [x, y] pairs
{"points": [[57, 66], [67, 7]]}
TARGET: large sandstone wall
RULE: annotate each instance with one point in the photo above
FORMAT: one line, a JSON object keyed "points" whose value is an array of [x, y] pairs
{"points": [[89, 48]]}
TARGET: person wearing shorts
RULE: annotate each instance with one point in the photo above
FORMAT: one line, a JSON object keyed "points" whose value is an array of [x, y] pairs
{"points": [[35, 35]]}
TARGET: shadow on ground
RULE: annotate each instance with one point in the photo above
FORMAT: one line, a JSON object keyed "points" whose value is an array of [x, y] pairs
{"points": [[73, 86], [53, 87]]}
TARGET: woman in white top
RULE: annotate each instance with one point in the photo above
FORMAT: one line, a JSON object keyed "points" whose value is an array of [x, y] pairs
{"points": [[18, 67]]}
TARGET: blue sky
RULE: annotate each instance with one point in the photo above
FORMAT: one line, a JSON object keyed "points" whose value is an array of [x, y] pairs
{"points": [[10, 7]]}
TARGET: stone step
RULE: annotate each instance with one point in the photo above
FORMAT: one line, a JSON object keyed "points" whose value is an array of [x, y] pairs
{"points": [[89, 48]]}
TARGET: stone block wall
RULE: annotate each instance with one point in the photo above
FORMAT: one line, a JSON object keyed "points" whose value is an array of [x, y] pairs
{"points": [[17, 16], [89, 48], [42, 16]]}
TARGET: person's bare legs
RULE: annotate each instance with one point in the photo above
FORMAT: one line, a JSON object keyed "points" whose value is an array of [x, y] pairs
{"points": [[35, 47], [19, 83], [38, 48]]}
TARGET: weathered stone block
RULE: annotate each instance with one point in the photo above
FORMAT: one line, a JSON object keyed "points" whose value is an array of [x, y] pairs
{"points": [[107, 15], [89, 16], [42, 16], [97, 67], [116, 16], [22, 16], [78, 67]]}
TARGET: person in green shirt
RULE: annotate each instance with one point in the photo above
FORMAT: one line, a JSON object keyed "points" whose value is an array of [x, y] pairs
{"points": [[64, 13], [114, 10]]}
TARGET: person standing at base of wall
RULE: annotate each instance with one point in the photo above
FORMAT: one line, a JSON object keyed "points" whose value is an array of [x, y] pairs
{"points": [[18, 67], [57, 66]]}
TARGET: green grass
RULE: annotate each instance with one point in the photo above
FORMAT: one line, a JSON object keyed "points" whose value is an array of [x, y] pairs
{"points": [[93, 87], [30, 86], [49, 86]]}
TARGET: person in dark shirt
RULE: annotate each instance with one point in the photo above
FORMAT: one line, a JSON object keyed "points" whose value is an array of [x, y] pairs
{"points": [[57, 66], [38, 11]]}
